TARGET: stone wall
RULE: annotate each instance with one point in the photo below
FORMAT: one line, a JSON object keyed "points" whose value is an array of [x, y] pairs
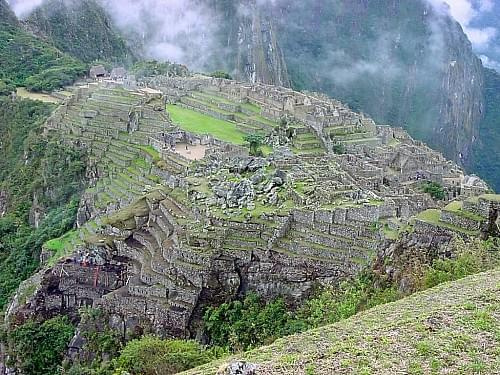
{"points": [[460, 221]]}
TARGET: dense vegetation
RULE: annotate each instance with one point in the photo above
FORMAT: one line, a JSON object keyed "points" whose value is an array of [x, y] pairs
{"points": [[80, 28], [151, 355], [220, 74], [486, 161], [28, 61], [434, 189], [38, 348], [37, 174]]}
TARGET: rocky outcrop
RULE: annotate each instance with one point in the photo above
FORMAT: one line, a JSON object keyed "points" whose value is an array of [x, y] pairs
{"points": [[462, 102], [259, 57], [3, 203]]}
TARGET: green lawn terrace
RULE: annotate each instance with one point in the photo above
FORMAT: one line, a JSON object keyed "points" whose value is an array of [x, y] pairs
{"points": [[335, 122], [66, 245], [212, 112], [363, 133], [467, 217]]}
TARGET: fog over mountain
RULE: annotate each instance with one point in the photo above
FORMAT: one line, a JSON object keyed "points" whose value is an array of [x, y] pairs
{"points": [[168, 26]]}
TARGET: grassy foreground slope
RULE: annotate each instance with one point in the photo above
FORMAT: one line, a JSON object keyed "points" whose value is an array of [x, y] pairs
{"points": [[451, 329]]}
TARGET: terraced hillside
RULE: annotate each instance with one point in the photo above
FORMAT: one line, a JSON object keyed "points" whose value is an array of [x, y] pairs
{"points": [[179, 216], [246, 117], [452, 328]]}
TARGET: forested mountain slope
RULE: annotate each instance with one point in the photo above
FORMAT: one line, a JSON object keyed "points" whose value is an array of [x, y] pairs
{"points": [[82, 29], [28, 61], [486, 160]]}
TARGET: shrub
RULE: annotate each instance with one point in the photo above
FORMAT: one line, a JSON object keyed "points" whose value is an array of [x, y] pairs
{"points": [[220, 74], [51, 79], [471, 258], [6, 88], [241, 325], [339, 149], [255, 142], [151, 355], [435, 190], [38, 348]]}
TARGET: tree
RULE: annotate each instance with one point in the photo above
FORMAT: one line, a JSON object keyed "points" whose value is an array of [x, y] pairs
{"points": [[435, 190], [220, 74], [38, 348], [255, 141], [339, 149]]}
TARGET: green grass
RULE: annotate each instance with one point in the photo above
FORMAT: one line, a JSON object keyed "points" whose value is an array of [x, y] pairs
{"points": [[452, 328], [150, 151], [432, 216], [454, 206], [23, 93], [199, 123], [62, 245], [251, 107], [491, 197]]}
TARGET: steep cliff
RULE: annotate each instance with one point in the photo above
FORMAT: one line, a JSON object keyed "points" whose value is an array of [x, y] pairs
{"points": [[486, 160], [259, 57], [395, 60]]}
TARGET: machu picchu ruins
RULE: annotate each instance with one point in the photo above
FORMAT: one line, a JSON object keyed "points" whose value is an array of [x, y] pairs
{"points": [[180, 215], [249, 187]]}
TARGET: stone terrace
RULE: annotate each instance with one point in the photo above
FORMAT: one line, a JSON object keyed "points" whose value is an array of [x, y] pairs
{"points": [[181, 233]]}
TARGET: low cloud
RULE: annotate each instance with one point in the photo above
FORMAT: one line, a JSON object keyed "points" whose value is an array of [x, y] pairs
{"points": [[175, 30], [466, 12], [23, 8]]}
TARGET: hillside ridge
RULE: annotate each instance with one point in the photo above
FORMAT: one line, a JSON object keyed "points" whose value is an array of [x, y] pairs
{"points": [[450, 327]]}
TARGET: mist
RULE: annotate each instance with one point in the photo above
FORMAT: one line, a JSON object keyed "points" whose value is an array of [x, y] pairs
{"points": [[23, 8], [174, 30], [180, 31]]}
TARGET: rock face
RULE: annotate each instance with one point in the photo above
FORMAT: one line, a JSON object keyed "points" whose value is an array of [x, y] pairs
{"points": [[462, 104], [259, 56]]}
